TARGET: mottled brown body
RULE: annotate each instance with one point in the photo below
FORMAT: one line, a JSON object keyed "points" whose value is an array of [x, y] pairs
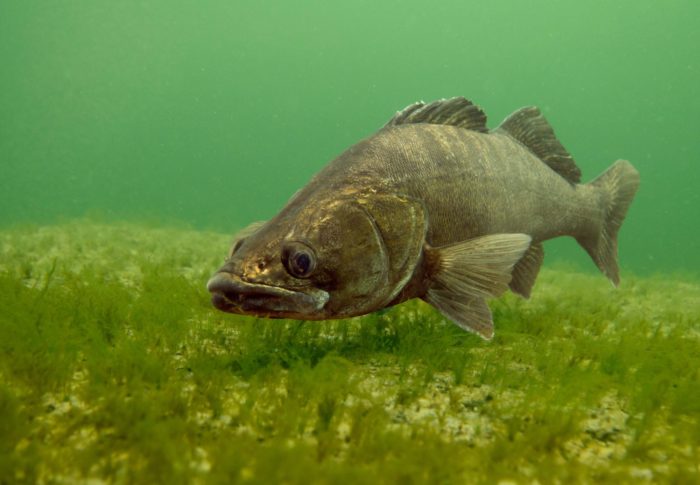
{"points": [[470, 183], [432, 206]]}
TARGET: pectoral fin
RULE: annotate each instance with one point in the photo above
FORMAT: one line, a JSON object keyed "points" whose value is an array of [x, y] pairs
{"points": [[465, 274], [472, 314]]}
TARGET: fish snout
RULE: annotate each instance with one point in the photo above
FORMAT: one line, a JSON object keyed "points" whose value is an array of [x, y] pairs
{"points": [[231, 294], [225, 291]]}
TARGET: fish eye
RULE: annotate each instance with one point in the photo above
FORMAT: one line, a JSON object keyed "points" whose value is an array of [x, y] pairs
{"points": [[298, 259]]}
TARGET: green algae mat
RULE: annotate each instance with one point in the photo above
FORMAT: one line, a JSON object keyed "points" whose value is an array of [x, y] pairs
{"points": [[114, 368]]}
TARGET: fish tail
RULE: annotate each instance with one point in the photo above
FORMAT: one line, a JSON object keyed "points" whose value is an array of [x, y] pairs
{"points": [[617, 187]]}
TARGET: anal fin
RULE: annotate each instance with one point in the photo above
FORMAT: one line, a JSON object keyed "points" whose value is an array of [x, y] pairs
{"points": [[525, 272], [465, 274]]}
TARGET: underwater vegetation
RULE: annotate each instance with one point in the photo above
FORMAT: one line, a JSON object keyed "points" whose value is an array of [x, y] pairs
{"points": [[114, 367]]}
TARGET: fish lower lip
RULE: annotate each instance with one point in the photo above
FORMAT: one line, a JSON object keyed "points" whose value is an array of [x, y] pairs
{"points": [[230, 294], [221, 302], [237, 291]]}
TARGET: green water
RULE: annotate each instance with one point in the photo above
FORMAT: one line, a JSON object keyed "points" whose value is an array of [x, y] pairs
{"points": [[214, 113], [136, 137]]}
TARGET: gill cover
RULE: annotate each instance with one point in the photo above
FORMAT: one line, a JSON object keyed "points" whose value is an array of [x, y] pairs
{"points": [[366, 249]]}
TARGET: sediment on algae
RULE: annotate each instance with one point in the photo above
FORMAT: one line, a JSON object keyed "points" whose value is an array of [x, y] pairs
{"points": [[114, 367]]}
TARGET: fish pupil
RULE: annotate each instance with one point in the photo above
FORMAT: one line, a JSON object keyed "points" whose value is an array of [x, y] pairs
{"points": [[302, 262], [298, 259]]}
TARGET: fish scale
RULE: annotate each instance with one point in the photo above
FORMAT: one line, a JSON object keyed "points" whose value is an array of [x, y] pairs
{"points": [[433, 206]]}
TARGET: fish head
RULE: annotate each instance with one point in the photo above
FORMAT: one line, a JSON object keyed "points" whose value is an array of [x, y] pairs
{"points": [[324, 260]]}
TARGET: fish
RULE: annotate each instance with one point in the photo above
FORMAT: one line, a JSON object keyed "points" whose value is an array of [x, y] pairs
{"points": [[434, 206]]}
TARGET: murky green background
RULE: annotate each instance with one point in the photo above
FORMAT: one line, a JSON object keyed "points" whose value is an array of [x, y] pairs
{"points": [[214, 112]]}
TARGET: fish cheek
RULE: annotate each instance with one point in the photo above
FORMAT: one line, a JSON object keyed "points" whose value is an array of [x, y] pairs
{"points": [[353, 265], [402, 225]]}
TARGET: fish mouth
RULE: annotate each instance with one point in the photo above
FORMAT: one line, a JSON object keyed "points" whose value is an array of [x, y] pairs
{"points": [[233, 295]]}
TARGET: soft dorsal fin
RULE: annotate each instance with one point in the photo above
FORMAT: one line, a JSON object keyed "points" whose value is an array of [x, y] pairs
{"points": [[529, 127], [454, 111]]}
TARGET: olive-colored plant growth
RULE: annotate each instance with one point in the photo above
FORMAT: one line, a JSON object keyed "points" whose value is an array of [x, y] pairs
{"points": [[114, 367]]}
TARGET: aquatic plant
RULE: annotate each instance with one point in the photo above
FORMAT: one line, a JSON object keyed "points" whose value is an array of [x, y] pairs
{"points": [[114, 366]]}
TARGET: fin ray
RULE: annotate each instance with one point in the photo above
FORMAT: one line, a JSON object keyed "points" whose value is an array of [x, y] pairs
{"points": [[473, 315], [529, 127], [457, 111], [526, 270], [467, 273], [619, 184]]}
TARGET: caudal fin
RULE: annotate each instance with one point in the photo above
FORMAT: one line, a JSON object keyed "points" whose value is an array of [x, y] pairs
{"points": [[619, 184]]}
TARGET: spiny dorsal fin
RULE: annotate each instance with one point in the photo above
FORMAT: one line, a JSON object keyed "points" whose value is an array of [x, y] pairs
{"points": [[529, 127], [454, 111]]}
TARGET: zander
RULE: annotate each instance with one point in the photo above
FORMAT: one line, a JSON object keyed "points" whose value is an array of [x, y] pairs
{"points": [[433, 206]]}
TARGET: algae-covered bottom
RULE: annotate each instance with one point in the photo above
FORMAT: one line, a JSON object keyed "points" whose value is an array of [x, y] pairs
{"points": [[115, 368]]}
